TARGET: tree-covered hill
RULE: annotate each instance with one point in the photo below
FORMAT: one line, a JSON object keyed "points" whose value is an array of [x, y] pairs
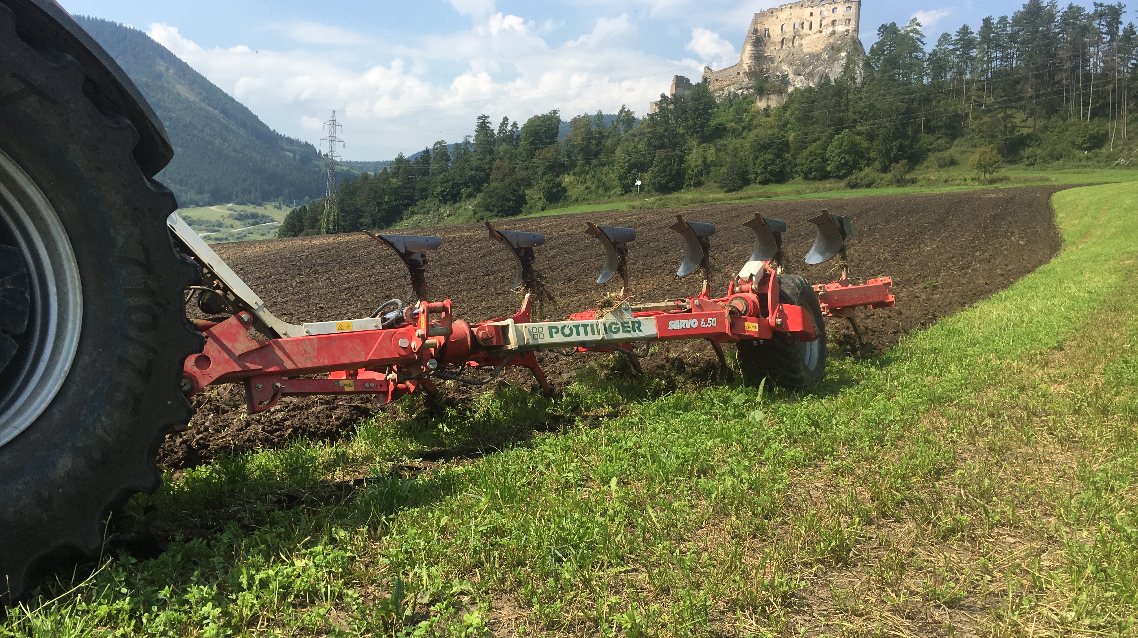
{"points": [[223, 152], [1047, 86]]}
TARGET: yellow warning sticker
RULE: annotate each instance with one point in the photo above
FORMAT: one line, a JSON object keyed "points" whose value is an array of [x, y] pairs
{"points": [[349, 385], [750, 326], [344, 326]]}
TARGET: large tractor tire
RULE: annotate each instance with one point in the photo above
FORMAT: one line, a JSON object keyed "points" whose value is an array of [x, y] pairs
{"points": [[92, 324], [784, 359]]}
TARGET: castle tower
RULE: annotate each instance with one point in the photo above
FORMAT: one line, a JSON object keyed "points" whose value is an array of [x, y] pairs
{"points": [[804, 41]]}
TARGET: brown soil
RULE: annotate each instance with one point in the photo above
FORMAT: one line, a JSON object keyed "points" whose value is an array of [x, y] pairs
{"points": [[944, 252]]}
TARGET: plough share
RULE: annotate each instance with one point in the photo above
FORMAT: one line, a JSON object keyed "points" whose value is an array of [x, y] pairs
{"points": [[775, 318]]}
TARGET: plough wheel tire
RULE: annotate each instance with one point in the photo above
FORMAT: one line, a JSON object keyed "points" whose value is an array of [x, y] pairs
{"points": [[784, 359], [93, 384]]}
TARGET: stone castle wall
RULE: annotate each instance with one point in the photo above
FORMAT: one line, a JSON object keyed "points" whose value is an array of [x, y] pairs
{"points": [[801, 40]]}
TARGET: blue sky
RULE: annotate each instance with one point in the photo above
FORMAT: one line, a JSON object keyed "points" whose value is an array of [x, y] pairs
{"points": [[402, 75]]}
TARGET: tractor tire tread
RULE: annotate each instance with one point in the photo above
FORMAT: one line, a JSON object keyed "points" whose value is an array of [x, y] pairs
{"points": [[96, 442]]}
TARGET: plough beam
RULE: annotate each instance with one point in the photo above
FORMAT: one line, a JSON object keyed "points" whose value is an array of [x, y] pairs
{"points": [[398, 353]]}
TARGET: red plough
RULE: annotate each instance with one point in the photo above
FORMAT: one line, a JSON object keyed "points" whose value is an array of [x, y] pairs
{"points": [[402, 349]]}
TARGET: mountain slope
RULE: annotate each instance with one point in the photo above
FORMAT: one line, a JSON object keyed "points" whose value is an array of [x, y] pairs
{"points": [[223, 152]]}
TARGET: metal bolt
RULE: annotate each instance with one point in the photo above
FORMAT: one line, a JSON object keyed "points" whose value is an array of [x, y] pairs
{"points": [[778, 321], [432, 364], [419, 334], [403, 343], [244, 318], [259, 386], [276, 386], [187, 385]]}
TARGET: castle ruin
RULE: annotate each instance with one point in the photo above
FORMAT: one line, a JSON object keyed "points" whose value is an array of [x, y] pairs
{"points": [[801, 42]]}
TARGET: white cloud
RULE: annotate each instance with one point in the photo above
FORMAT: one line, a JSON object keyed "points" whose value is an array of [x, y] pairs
{"points": [[606, 30], [316, 33], [928, 19], [501, 66], [499, 22], [473, 7], [712, 49]]}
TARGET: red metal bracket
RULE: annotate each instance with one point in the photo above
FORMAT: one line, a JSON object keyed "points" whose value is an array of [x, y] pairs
{"points": [[839, 299]]}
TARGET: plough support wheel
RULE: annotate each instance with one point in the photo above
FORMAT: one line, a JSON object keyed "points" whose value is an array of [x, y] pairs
{"points": [[784, 359]]}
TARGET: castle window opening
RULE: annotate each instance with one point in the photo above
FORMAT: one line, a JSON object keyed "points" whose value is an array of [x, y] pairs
{"points": [[767, 32], [833, 23], [795, 26], [835, 10], [811, 25], [782, 45], [847, 22], [849, 9], [784, 28]]}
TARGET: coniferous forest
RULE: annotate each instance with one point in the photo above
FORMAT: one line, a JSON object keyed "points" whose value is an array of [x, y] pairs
{"points": [[1047, 86]]}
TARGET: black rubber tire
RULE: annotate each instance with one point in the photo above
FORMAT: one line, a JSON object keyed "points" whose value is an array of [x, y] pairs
{"points": [[14, 302], [784, 359], [95, 443]]}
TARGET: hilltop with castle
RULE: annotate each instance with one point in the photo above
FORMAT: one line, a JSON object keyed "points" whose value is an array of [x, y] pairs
{"points": [[801, 42]]}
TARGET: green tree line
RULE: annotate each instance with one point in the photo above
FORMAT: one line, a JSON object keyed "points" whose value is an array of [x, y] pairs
{"points": [[1044, 85]]}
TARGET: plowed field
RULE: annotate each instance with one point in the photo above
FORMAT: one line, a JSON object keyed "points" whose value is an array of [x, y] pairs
{"points": [[943, 250]]}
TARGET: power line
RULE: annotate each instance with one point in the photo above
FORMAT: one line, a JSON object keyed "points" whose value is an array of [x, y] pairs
{"points": [[330, 221]]}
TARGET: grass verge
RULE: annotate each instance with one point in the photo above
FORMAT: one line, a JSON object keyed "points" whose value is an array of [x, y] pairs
{"points": [[979, 478], [923, 181]]}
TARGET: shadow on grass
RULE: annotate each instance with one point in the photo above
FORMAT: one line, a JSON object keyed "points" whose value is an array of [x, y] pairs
{"points": [[396, 462]]}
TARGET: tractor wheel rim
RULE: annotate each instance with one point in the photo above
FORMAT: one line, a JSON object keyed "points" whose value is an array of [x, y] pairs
{"points": [[810, 351], [47, 348]]}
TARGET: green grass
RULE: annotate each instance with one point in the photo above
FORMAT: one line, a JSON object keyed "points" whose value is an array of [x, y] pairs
{"points": [[980, 478], [922, 180], [218, 224]]}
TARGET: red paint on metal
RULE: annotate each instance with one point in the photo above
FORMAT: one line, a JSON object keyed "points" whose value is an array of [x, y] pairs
{"points": [[838, 297], [692, 324], [393, 362]]}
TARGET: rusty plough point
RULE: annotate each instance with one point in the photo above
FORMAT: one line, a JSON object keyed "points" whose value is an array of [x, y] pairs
{"points": [[697, 246], [833, 231], [521, 246], [412, 249], [768, 244], [615, 240]]}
